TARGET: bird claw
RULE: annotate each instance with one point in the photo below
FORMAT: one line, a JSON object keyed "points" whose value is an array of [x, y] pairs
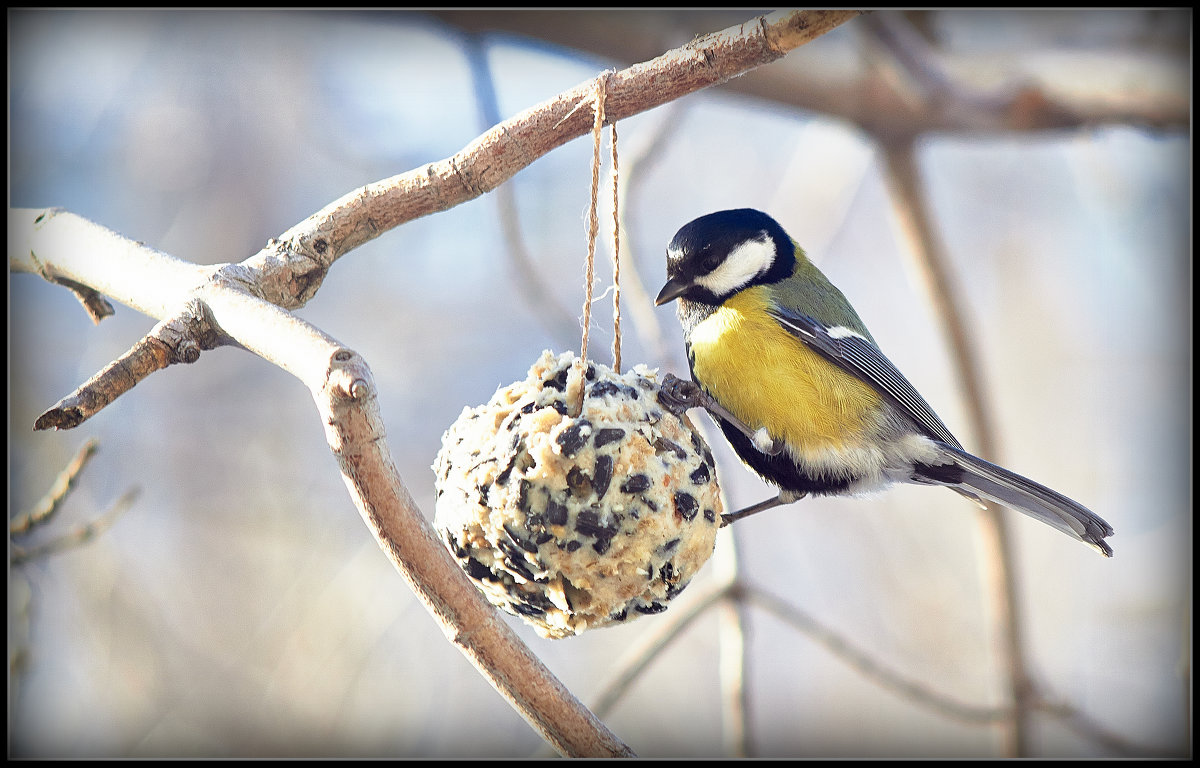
{"points": [[677, 395]]}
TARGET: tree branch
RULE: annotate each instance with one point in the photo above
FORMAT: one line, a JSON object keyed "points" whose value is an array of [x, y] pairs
{"points": [[925, 247], [511, 146]]}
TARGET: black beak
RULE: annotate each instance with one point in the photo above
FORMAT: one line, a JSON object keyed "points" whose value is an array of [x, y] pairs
{"points": [[671, 291]]}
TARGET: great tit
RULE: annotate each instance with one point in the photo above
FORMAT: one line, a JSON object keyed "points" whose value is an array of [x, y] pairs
{"points": [[802, 392]]}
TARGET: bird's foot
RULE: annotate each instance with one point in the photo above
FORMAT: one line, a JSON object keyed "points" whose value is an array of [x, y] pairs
{"points": [[784, 497], [677, 395]]}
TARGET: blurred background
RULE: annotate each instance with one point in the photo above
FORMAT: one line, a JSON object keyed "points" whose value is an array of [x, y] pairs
{"points": [[239, 607]]}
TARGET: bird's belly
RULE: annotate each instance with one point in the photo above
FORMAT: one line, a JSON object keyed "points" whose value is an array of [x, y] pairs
{"points": [[766, 377]]}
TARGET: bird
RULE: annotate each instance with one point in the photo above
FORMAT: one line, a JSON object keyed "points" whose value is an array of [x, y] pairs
{"points": [[802, 392]]}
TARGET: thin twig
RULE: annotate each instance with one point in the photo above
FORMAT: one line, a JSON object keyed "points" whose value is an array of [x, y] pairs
{"points": [[733, 661], [46, 507], [861, 661], [79, 536]]}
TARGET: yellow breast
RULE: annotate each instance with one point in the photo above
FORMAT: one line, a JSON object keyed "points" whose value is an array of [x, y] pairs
{"points": [[767, 377]]}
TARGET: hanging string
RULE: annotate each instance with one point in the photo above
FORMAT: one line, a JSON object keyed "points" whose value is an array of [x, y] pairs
{"points": [[616, 238], [593, 219], [593, 231]]}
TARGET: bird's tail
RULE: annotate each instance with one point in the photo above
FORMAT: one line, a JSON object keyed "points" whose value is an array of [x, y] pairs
{"points": [[975, 478]]}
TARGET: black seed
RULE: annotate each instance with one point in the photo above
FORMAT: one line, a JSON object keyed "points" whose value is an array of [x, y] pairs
{"points": [[602, 388], [620, 616], [631, 392], [699, 446], [528, 407], [635, 484], [478, 571], [532, 598], [686, 505], [604, 473], [510, 549], [519, 540], [542, 538], [670, 545], [574, 437], [673, 590], [573, 545], [518, 567], [559, 381], [590, 373], [651, 504], [483, 493], [523, 497], [667, 573], [588, 523], [601, 545], [514, 452], [579, 483], [527, 610], [652, 608], [607, 435], [700, 476], [663, 445], [556, 514], [710, 516], [559, 406], [452, 544]]}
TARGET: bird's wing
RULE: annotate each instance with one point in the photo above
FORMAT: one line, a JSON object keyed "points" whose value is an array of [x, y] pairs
{"points": [[858, 356]]}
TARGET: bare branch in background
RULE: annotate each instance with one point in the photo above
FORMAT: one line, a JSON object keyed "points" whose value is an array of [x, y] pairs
{"points": [[22, 526], [50, 503], [1139, 82], [651, 643], [78, 536], [925, 249]]}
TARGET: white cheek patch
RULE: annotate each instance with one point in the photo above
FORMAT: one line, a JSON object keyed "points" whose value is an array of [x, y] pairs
{"points": [[742, 265]]}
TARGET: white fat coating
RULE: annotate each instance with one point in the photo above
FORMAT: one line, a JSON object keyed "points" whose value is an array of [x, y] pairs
{"points": [[742, 265]]}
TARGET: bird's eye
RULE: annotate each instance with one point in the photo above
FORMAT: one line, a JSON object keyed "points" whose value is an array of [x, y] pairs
{"points": [[711, 262]]}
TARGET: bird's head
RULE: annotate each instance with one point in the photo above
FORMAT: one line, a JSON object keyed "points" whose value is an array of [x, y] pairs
{"points": [[715, 256]]}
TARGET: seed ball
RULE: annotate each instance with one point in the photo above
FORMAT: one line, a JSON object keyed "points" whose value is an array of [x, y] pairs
{"points": [[577, 517]]}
